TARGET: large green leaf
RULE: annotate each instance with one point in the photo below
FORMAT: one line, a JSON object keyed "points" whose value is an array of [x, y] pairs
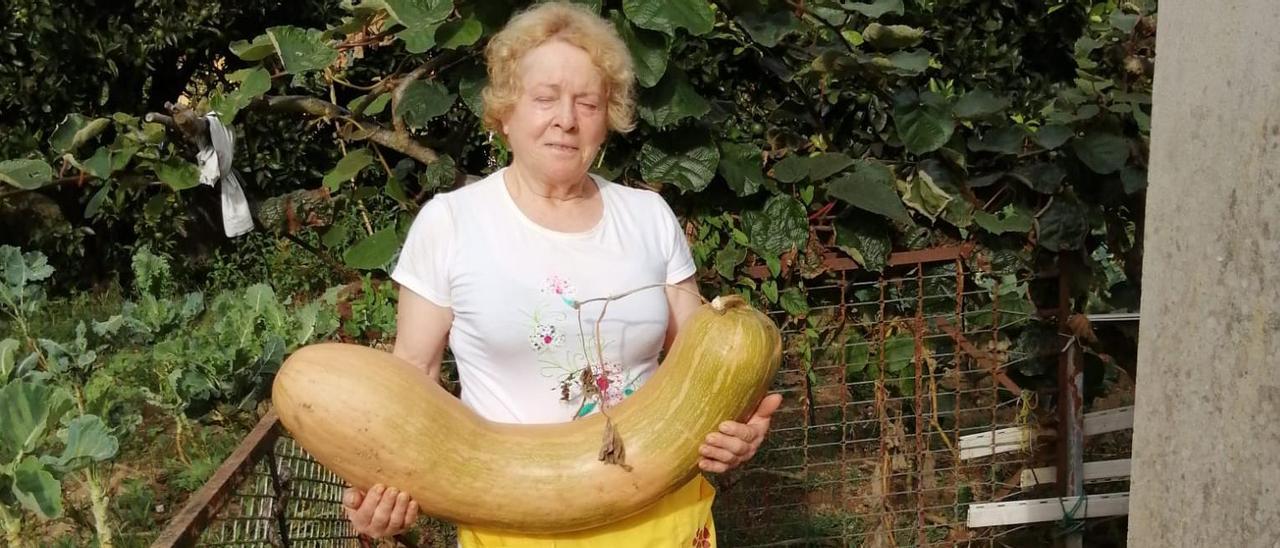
{"points": [[876, 8], [459, 33], [1063, 225], [958, 211], [728, 258], [394, 188], [827, 164], [1102, 151], [36, 489], [423, 101], [373, 252], [17, 269], [923, 195], [94, 205], [1005, 140], [899, 352], [121, 156], [687, 159], [672, 100], [857, 353], [794, 302], [99, 165], [88, 441], [1124, 22], [8, 357], [792, 169], [301, 50], [26, 410], [740, 167], [471, 84], [1134, 179], [253, 83], [923, 121], [374, 107], [767, 28], [416, 14], [1042, 177], [26, 174], [1009, 219], [260, 298], [419, 39], [903, 63], [1052, 136], [649, 50], [778, 227], [870, 187], [439, 174], [668, 15], [75, 130], [816, 168], [980, 103], [892, 36], [260, 48], [866, 239], [179, 174], [348, 167]]}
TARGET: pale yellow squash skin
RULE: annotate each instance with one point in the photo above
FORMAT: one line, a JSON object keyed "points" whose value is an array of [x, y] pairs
{"points": [[372, 418]]}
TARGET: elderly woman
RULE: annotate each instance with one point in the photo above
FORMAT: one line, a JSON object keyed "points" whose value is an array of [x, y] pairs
{"points": [[497, 266]]}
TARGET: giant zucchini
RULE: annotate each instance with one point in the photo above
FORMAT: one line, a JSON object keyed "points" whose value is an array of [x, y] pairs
{"points": [[372, 418]]}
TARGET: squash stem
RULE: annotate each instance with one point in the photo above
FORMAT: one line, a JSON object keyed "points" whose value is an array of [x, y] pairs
{"points": [[725, 303], [577, 305]]}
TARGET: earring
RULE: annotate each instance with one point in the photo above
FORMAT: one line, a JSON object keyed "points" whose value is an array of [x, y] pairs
{"points": [[493, 161]]}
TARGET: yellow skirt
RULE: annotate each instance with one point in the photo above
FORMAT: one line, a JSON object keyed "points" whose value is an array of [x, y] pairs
{"points": [[682, 518]]}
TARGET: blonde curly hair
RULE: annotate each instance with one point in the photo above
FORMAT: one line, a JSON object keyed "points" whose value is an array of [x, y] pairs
{"points": [[575, 25]]}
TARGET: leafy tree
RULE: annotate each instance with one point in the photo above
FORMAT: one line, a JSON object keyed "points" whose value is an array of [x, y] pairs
{"points": [[864, 127]]}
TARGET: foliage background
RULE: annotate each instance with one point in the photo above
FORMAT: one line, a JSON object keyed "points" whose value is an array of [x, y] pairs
{"points": [[779, 132]]}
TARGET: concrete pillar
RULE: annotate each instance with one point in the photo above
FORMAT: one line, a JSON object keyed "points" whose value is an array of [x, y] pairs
{"points": [[1206, 448]]}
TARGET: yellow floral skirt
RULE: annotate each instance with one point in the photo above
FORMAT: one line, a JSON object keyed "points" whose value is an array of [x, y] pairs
{"points": [[682, 518]]}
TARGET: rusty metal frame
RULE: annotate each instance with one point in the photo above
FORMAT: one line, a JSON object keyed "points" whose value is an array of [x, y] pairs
{"points": [[184, 529], [838, 262]]}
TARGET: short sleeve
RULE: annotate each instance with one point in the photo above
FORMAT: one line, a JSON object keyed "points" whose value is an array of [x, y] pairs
{"points": [[680, 263], [424, 261]]}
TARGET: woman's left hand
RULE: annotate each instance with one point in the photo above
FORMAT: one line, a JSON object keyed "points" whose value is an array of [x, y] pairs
{"points": [[737, 442]]}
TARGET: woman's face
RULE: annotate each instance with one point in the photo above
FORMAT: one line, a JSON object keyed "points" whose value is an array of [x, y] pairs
{"points": [[561, 117]]}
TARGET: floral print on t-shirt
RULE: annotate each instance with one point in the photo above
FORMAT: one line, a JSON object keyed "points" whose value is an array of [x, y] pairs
{"points": [[555, 285], [545, 336], [568, 355]]}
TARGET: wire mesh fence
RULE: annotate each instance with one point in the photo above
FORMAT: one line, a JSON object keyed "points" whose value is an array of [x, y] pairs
{"points": [[294, 503], [890, 384], [269, 493], [898, 402]]}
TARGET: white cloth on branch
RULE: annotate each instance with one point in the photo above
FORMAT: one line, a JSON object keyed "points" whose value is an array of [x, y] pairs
{"points": [[215, 158]]}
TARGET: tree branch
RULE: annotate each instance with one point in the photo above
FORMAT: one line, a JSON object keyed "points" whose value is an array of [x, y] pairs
{"points": [[400, 142], [7, 191], [312, 106]]}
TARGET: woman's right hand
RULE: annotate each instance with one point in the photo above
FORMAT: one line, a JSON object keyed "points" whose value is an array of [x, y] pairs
{"points": [[380, 512]]}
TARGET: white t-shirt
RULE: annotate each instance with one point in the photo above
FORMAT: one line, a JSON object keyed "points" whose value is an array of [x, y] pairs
{"points": [[511, 284]]}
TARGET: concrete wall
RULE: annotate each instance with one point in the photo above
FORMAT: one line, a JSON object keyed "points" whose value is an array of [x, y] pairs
{"points": [[1207, 431]]}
